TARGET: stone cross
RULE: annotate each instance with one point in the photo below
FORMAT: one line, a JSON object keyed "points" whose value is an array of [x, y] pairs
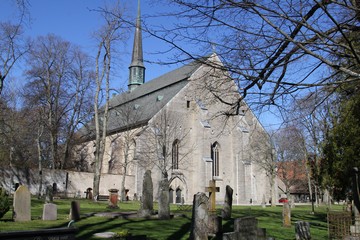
{"points": [[212, 189]]}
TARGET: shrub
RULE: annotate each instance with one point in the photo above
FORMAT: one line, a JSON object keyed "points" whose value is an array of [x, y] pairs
{"points": [[4, 202]]}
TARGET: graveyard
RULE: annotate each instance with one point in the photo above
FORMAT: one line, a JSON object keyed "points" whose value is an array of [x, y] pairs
{"points": [[96, 217]]}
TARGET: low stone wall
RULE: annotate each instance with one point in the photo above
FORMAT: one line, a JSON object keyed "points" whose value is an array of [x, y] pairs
{"points": [[68, 183]]}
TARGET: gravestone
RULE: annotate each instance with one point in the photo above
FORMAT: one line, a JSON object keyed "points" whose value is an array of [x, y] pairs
{"points": [[147, 205], [302, 230], [212, 190], [246, 229], [75, 211], [286, 213], [226, 211], [214, 223], [49, 212], [49, 195], [164, 206], [200, 217], [22, 204], [113, 198]]}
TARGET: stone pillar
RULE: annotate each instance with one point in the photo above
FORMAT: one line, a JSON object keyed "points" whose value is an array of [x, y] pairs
{"points": [[164, 206]]}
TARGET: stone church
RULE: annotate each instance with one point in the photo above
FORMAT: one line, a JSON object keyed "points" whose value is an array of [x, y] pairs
{"points": [[176, 126]]}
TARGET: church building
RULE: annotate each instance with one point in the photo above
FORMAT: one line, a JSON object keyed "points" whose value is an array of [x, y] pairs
{"points": [[176, 126]]}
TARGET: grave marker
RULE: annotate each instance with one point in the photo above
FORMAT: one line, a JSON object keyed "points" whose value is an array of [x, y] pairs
{"points": [[200, 217], [75, 211], [302, 230], [286, 215], [147, 205], [22, 204], [212, 190], [49, 212], [226, 211]]}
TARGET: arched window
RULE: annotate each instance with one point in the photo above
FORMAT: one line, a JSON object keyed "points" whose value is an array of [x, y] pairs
{"points": [[215, 148], [175, 154]]}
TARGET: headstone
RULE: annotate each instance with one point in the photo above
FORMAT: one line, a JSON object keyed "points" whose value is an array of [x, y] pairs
{"points": [[147, 205], [302, 230], [164, 205], [212, 189], [49, 212], [200, 217], [356, 188], [22, 204], [247, 227], [49, 196], [75, 211], [286, 213], [226, 211], [214, 224], [113, 198]]}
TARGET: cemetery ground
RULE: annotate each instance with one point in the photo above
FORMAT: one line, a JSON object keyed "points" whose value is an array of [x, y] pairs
{"points": [[176, 228]]}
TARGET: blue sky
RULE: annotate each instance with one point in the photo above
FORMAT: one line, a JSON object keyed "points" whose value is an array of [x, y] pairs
{"points": [[75, 21]]}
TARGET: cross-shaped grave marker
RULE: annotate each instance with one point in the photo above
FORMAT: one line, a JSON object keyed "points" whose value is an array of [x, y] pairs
{"points": [[212, 189]]}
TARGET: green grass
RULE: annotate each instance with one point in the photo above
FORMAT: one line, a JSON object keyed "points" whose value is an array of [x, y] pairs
{"points": [[176, 228]]}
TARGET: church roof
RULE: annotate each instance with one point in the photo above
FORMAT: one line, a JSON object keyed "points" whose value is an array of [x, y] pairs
{"points": [[136, 108]]}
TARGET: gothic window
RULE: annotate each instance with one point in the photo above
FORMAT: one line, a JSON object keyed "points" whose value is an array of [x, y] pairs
{"points": [[215, 148], [175, 155]]}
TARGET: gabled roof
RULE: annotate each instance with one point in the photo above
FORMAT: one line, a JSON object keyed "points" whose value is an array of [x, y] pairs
{"points": [[136, 108]]}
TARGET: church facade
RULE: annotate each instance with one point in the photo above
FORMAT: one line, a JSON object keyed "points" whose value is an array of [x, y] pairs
{"points": [[176, 126]]}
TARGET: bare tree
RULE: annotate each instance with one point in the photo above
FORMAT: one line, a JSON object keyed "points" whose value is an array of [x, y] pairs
{"points": [[56, 88], [263, 153], [109, 33], [12, 44], [273, 49], [291, 151]]}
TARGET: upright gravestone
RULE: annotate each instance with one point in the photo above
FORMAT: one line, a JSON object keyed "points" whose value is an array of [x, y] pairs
{"points": [[226, 211], [49, 194], [200, 217], [246, 228], [164, 206], [147, 205], [49, 212], [75, 211], [302, 230], [22, 204], [286, 213]]}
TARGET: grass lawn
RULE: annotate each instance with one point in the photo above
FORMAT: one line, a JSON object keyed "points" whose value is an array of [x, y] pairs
{"points": [[176, 228]]}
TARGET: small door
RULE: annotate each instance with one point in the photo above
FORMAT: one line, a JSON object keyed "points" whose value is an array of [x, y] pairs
{"points": [[178, 195]]}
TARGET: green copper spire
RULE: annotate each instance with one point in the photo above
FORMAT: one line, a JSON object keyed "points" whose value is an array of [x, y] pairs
{"points": [[136, 68]]}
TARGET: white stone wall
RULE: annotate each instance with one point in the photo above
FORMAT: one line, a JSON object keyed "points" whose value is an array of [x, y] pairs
{"points": [[69, 182]]}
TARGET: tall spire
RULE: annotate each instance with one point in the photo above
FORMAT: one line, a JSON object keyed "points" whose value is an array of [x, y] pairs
{"points": [[136, 68]]}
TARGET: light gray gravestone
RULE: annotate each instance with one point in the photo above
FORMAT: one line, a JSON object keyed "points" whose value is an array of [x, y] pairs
{"points": [[147, 205], [226, 211], [49, 212], [286, 213], [200, 217], [164, 206], [75, 211], [302, 230], [22, 204]]}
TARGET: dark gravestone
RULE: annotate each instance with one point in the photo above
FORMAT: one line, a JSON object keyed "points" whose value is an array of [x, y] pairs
{"points": [[147, 205], [356, 188], [164, 206], [49, 195], [302, 230], [247, 228], [200, 217], [75, 211], [226, 211]]}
